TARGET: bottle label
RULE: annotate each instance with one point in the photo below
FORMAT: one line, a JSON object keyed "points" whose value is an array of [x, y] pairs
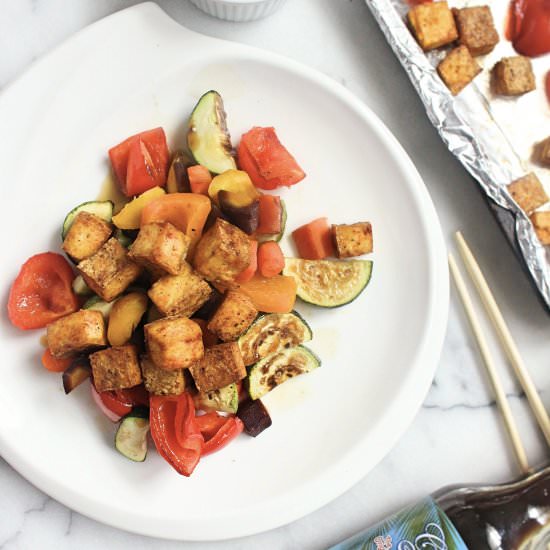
{"points": [[423, 526]]}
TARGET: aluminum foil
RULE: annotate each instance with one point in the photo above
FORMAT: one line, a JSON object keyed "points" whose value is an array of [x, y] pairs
{"points": [[468, 126]]}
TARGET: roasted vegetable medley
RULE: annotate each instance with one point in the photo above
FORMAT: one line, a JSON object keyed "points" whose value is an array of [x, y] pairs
{"points": [[179, 307]]}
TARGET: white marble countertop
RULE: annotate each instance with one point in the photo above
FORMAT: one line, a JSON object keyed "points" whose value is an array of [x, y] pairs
{"points": [[457, 435]]}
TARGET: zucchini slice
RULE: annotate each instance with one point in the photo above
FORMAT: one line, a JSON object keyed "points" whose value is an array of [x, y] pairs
{"points": [[225, 399], [278, 367], [273, 332], [276, 236], [80, 288], [95, 303], [102, 209], [207, 135], [131, 435], [328, 283]]}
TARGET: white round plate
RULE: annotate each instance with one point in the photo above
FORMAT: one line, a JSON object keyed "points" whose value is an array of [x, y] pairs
{"points": [[136, 70]]}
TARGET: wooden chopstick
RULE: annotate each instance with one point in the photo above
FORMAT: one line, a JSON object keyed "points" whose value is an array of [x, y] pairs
{"points": [[500, 395], [505, 337]]}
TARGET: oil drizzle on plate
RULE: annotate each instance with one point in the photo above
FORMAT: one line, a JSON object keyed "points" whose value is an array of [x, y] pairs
{"points": [[109, 191]]}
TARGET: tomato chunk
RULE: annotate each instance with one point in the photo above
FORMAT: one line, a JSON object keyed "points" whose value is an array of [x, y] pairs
{"points": [[313, 240], [270, 215], [141, 162], [42, 292], [175, 431], [267, 161]]}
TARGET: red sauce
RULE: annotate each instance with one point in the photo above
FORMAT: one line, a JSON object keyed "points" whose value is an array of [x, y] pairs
{"points": [[528, 26], [416, 2]]}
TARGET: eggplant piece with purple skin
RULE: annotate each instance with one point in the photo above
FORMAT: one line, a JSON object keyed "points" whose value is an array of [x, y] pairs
{"points": [[178, 180], [244, 217], [214, 214], [79, 371], [254, 416]]}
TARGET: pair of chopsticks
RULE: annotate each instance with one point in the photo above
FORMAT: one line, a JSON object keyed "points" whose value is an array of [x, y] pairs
{"points": [[508, 345]]}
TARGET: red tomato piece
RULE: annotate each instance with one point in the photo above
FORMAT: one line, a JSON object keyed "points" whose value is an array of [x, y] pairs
{"points": [[230, 429], [175, 431], [210, 423], [270, 215], [267, 161], [314, 240], [141, 161], [115, 403], [121, 402], [249, 271], [42, 292]]}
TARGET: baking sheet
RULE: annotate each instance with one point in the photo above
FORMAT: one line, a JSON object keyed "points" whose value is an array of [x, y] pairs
{"points": [[493, 137]]}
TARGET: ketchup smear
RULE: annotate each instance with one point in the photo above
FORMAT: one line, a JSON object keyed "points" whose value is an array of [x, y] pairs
{"points": [[528, 26], [416, 2]]}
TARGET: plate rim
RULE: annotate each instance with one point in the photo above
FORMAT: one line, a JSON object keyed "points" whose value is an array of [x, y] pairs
{"points": [[426, 351]]}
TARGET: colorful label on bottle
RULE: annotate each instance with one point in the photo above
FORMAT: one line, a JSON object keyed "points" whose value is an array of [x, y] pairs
{"points": [[421, 526]]}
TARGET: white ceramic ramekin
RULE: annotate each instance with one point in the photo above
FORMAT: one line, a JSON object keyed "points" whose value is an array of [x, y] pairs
{"points": [[238, 10]]}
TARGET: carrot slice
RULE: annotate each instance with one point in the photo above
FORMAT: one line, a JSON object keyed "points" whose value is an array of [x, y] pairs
{"points": [[54, 364], [270, 259], [199, 179], [313, 240], [187, 211], [248, 273], [270, 215], [271, 295]]}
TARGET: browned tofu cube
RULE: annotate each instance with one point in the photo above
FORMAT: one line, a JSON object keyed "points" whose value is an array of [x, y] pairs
{"points": [[528, 192], [458, 69], [542, 152], [174, 342], [432, 24], [513, 76], [541, 223], [352, 240], [76, 332], [221, 365], [109, 271], [87, 234], [115, 368], [181, 294], [222, 253], [160, 246], [161, 381], [234, 315], [476, 29]]}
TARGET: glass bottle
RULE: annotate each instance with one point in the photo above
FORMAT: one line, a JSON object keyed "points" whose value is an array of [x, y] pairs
{"points": [[511, 516]]}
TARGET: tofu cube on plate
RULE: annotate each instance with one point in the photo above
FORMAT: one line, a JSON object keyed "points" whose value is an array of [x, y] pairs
{"points": [[221, 365], [115, 368], [160, 246], [109, 271], [76, 332], [174, 342]]}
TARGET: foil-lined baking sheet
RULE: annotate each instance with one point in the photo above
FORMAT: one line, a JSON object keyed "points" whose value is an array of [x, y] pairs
{"points": [[492, 136]]}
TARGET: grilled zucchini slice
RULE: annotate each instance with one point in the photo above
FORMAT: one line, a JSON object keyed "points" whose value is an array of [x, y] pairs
{"points": [[131, 435], [278, 367], [273, 332], [102, 209], [225, 399], [207, 135], [328, 283]]}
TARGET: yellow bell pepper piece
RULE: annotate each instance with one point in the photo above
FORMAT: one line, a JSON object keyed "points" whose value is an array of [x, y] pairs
{"points": [[238, 183], [125, 316], [130, 216]]}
